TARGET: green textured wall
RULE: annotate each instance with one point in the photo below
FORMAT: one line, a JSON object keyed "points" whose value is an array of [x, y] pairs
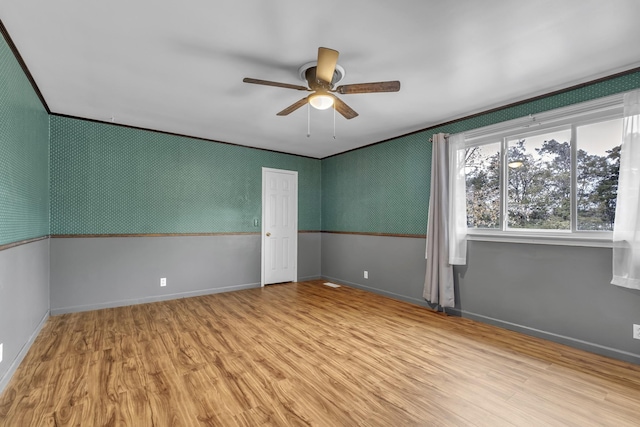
{"points": [[384, 188], [24, 155], [378, 189], [108, 179]]}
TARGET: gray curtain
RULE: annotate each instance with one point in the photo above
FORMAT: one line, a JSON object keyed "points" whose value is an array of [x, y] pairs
{"points": [[438, 284]]}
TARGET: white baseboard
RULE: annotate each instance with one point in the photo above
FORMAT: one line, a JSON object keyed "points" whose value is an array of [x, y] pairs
{"points": [[561, 339], [420, 302], [4, 381], [155, 298]]}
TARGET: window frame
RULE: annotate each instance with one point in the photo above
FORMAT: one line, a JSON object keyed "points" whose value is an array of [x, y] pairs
{"points": [[571, 117]]}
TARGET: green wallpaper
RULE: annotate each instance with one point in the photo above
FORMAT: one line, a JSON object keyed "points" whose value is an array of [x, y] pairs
{"points": [[24, 155], [380, 189], [108, 179], [384, 188]]}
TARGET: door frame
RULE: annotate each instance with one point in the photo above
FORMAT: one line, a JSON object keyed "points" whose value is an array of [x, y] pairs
{"points": [[263, 231]]}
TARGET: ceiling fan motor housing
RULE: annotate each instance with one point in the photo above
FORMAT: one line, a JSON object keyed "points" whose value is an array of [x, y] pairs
{"points": [[307, 74]]}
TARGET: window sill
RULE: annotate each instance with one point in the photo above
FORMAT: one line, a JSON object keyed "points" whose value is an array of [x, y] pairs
{"points": [[597, 240]]}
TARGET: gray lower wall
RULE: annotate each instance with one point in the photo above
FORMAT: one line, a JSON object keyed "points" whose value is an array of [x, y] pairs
{"points": [[396, 265], [309, 256], [92, 273], [24, 301], [561, 293]]}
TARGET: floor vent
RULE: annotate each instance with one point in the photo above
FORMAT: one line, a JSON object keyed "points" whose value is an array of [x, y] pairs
{"points": [[332, 285]]}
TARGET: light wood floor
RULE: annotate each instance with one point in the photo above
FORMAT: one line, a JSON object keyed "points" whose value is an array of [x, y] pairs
{"points": [[307, 354]]}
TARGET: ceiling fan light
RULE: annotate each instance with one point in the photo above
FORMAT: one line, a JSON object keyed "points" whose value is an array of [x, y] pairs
{"points": [[321, 101]]}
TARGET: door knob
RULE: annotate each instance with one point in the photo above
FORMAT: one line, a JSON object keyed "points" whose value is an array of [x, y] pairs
{"points": [[268, 234]]}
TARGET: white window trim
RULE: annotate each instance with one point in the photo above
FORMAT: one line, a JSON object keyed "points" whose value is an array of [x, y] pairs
{"points": [[601, 109], [584, 111], [603, 239]]}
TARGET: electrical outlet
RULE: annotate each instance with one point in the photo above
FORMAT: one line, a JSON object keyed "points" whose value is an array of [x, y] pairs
{"points": [[1, 344], [163, 281], [366, 274], [636, 331]]}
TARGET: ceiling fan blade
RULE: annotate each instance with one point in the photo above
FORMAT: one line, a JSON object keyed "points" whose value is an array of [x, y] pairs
{"points": [[327, 60], [276, 84], [393, 86], [344, 109], [293, 107]]}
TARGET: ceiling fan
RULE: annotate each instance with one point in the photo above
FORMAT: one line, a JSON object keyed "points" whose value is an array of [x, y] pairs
{"points": [[321, 77]]}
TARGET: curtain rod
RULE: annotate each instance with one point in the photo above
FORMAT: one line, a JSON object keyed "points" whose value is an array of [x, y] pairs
{"points": [[446, 135]]}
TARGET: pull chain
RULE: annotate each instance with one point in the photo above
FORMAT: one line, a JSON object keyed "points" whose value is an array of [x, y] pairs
{"points": [[334, 122], [308, 120]]}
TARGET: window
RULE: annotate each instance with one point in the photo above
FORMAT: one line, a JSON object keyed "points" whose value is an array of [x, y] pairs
{"points": [[482, 171], [597, 174], [556, 173]]}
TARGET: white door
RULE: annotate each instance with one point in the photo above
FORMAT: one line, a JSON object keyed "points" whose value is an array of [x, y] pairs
{"points": [[279, 226]]}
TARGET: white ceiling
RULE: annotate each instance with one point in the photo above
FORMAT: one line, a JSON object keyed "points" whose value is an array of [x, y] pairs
{"points": [[178, 66]]}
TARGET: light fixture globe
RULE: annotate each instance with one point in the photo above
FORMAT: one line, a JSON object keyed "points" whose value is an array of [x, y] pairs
{"points": [[321, 101]]}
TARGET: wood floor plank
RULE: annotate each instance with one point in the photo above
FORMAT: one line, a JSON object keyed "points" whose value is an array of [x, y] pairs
{"points": [[303, 354]]}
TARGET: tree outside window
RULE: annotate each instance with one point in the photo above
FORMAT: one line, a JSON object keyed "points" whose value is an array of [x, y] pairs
{"points": [[539, 176]]}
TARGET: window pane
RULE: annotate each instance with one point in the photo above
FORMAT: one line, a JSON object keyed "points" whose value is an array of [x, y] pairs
{"points": [[539, 181], [597, 169], [482, 170]]}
